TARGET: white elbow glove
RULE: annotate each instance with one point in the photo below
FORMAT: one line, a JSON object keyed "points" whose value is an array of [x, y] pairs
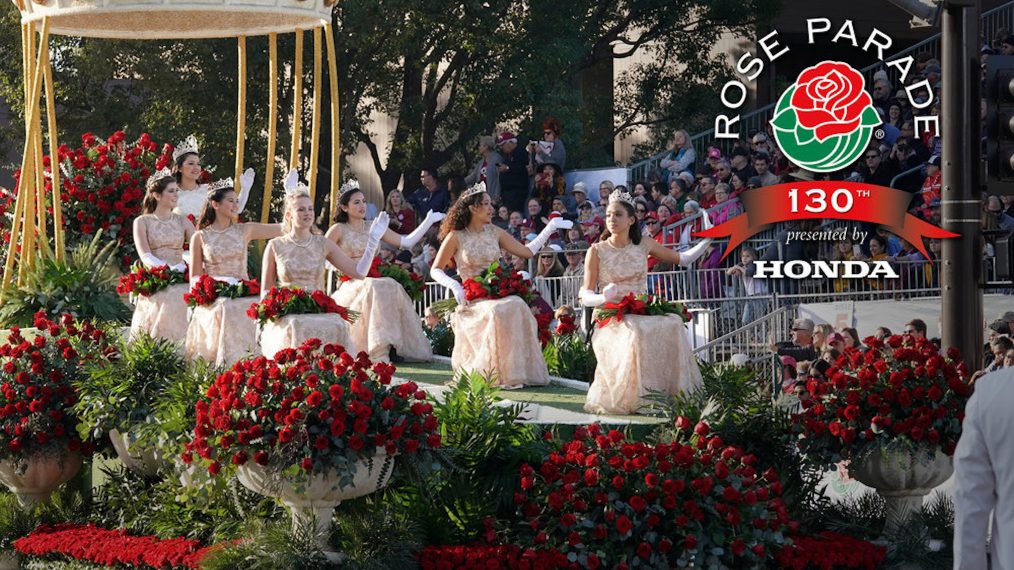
{"points": [[592, 299], [536, 245], [150, 260], [377, 230], [442, 278], [689, 256], [246, 182], [413, 238], [179, 267]]}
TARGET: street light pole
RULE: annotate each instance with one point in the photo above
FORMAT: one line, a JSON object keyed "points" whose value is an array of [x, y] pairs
{"points": [[960, 125]]}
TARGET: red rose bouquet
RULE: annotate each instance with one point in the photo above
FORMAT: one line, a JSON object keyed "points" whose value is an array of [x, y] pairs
{"points": [[207, 290], [36, 386], [148, 281], [312, 409], [295, 301], [606, 503], [900, 391], [566, 325], [639, 305], [496, 283], [411, 281]]}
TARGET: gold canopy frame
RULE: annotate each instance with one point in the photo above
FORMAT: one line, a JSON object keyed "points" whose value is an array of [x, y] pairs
{"points": [[149, 19]]}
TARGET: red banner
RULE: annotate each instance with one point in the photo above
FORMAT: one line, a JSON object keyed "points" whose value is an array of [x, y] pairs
{"points": [[826, 200]]}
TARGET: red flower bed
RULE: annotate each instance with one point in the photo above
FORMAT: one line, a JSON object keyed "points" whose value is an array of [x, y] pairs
{"points": [[902, 390], [611, 503], [639, 305], [829, 551], [207, 290], [295, 301], [506, 557], [148, 281], [111, 547]]}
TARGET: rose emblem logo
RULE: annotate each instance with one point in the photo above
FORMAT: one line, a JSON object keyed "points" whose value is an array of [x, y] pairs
{"points": [[824, 121]]}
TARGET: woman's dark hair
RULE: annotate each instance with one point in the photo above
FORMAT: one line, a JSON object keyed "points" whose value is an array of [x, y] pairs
{"points": [[155, 186], [661, 188], [552, 124], [341, 216], [455, 186], [207, 212], [634, 231], [178, 165], [880, 240], [459, 216]]}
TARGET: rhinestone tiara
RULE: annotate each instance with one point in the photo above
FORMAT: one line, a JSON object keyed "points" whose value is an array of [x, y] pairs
{"points": [[223, 183], [621, 197], [186, 146], [350, 186], [154, 178], [475, 189]]}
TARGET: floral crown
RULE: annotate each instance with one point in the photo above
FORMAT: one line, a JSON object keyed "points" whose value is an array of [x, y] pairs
{"points": [[219, 184], [164, 172], [350, 186], [186, 146], [621, 197], [475, 189]]}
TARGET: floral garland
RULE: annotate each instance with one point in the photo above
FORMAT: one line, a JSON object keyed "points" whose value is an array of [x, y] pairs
{"points": [[282, 301], [830, 550], [639, 305], [411, 281], [111, 547], [207, 290], [148, 281]]}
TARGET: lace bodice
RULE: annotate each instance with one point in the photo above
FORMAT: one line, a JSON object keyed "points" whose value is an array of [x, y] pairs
{"points": [[165, 238], [353, 242], [191, 202], [626, 267], [224, 252], [476, 251], [299, 264]]}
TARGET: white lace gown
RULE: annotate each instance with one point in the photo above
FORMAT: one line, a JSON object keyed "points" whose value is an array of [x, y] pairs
{"points": [[222, 333], [163, 314], [191, 202], [387, 317], [640, 354], [500, 336], [301, 264]]}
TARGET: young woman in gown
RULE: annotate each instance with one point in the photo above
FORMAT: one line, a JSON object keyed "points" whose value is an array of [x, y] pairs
{"points": [[187, 170], [296, 259], [222, 333], [159, 235], [497, 336], [639, 354], [388, 327]]}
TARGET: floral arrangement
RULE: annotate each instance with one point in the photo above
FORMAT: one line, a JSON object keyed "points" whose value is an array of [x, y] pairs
{"points": [[495, 282], [310, 410], [481, 557], [295, 301], [607, 503], [830, 550], [900, 391], [412, 282], [148, 281], [207, 290], [110, 547], [633, 304], [36, 393], [566, 325]]}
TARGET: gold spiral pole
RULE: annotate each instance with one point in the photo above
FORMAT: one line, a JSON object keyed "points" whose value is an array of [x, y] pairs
{"points": [[269, 168], [240, 107], [315, 129], [297, 100], [336, 147]]}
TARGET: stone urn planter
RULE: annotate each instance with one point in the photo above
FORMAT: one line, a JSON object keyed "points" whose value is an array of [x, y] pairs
{"points": [[902, 478], [33, 482], [10, 560], [144, 461], [313, 502]]}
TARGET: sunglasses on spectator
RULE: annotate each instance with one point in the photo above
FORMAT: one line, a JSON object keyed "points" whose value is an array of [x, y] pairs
{"points": [[651, 222], [547, 132], [872, 156], [640, 210]]}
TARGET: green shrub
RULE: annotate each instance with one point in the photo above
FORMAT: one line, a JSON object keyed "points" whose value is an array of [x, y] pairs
{"points": [[441, 338], [569, 356]]}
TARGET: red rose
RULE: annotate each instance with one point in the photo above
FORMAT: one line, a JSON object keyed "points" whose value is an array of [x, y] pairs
{"points": [[829, 98], [623, 524]]}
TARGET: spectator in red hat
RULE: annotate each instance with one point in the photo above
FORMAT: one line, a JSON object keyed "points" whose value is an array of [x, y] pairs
{"points": [[550, 149], [593, 229], [513, 171], [714, 159]]}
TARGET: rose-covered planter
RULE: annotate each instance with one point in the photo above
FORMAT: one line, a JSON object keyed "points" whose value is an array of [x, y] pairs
{"points": [[143, 461], [902, 479], [312, 502], [35, 480]]}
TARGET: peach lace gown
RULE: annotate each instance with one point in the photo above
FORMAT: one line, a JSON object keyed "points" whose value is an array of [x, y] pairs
{"points": [[163, 314], [222, 333], [640, 354], [498, 336], [301, 264], [387, 317]]}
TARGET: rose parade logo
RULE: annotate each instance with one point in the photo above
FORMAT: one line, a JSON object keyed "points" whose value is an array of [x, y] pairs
{"points": [[825, 120]]}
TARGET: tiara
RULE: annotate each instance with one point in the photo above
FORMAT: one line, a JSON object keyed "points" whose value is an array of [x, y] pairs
{"points": [[154, 178], [293, 185], [621, 197], [218, 184], [186, 146], [350, 186], [475, 189]]}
